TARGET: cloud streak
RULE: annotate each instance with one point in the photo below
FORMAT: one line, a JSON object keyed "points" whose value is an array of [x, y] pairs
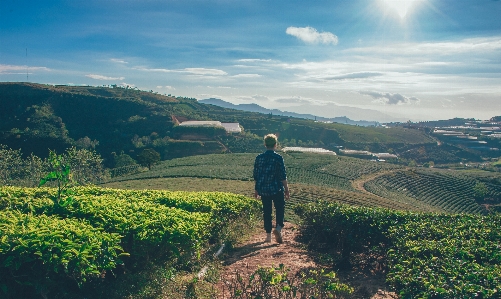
{"points": [[190, 71], [247, 76], [116, 60], [294, 100], [166, 87], [469, 45], [101, 77], [310, 35], [390, 98], [351, 76], [20, 69]]}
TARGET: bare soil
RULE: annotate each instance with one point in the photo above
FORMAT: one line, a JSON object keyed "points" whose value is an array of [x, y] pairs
{"points": [[248, 256]]}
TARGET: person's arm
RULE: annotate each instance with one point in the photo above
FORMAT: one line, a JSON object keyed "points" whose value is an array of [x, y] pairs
{"points": [[283, 174], [286, 189], [254, 175]]}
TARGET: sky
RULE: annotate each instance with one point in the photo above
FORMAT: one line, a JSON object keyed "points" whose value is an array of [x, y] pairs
{"points": [[381, 60]]}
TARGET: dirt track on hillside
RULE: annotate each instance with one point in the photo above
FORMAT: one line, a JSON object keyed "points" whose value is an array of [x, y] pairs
{"points": [[359, 183]]}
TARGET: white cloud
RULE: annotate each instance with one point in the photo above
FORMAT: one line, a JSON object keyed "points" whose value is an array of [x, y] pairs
{"points": [[166, 87], [294, 100], [254, 60], [123, 84], [204, 71], [191, 71], [20, 69], [446, 103], [349, 76], [310, 35], [101, 77], [390, 98], [116, 60], [254, 98], [247, 76], [470, 45]]}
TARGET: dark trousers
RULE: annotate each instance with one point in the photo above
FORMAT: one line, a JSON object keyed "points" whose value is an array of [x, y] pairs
{"points": [[279, 202]]}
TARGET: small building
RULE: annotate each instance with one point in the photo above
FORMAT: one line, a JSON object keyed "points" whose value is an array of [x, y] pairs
{"points": [[315, 150], [355, 153], [201, 123], [232, 127], [229, 127], [384, 156]]}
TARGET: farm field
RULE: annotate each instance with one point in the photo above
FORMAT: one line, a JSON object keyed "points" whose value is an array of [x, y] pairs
{"points": [[306, 168], [450, 191], [316, 177], [300, 193]]}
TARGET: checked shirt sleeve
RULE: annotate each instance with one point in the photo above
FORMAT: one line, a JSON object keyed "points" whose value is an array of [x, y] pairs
{"points": [[282, 172]]}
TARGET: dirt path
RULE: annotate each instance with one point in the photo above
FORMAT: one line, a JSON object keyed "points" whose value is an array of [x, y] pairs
{"points": [[359, 183], [254, 253]]}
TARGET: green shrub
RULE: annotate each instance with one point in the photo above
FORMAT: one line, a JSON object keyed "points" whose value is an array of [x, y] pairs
{"points": [[44, 252], [427, 255]]}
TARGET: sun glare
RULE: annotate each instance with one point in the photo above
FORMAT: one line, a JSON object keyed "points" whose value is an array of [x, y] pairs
{"points": [[402, 7]]}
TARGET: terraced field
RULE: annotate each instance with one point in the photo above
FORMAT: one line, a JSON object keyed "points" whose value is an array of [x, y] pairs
{"points": [[313, 169], [450, 191], [300, 193], [314, 177]]}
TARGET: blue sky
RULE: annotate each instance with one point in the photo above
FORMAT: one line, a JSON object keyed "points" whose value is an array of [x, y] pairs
{"points": [[408, 59]]}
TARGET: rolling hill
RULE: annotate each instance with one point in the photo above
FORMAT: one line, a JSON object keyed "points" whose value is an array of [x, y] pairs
{"points": [[114, 120]]}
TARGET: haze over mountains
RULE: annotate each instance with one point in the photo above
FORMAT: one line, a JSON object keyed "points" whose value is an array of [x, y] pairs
{"points": [[327, 113]]}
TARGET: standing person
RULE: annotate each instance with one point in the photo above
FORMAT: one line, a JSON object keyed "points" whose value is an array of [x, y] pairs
{"points": [[271, 184]]}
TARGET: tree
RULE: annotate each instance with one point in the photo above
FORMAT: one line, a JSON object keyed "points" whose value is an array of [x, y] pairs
{"points": [[148, 157], [11, 165], [480, 191], [86, 143], [86, 166], [123, 160]]}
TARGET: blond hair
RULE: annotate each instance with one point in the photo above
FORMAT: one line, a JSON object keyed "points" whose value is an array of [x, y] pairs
{"points": [[270, 140]]}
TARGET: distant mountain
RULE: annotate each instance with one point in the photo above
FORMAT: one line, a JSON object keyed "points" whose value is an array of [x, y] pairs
{"points": [[256, 108], [333, 110]]}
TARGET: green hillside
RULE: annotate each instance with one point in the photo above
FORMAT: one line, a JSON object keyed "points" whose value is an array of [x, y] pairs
{"points": [[335, 178], [36, 117], [100, 233]]}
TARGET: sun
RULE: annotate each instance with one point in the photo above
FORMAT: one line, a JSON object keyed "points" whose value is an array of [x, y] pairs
{"points": [[402, 7]]}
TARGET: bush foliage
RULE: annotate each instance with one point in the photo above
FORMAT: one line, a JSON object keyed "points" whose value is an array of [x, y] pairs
{"points": [[101, 228], [427, 255]]}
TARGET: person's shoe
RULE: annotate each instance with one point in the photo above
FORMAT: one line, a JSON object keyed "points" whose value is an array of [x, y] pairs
{"points": [[268, 238], [278, 236]]}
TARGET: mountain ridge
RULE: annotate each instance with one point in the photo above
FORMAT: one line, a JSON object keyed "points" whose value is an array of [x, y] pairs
{"points": [[253, 107]]}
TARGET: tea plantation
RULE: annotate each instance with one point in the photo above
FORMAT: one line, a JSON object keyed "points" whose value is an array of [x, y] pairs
{"points": [[426, 255], [49, 249]]}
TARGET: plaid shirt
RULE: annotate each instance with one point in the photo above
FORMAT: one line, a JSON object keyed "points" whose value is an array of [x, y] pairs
{"points": [[269, 172]]}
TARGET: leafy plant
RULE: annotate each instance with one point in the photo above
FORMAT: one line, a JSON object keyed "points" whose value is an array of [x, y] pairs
{"points": [[278, 282], [61, 174], [47, 254]]}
